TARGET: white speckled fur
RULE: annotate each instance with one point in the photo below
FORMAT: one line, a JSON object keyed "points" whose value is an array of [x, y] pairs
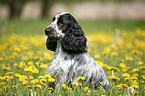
{"points": [[65, 68]]}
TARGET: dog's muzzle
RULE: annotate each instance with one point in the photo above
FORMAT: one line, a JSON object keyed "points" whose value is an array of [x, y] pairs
{"points": [[49, 30]]}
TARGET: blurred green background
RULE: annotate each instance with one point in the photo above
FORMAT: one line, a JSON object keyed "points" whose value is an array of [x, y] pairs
{"points": [[32, 16]]}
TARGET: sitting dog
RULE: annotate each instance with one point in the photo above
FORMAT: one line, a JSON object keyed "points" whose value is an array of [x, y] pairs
{"points": [[70, 59]]}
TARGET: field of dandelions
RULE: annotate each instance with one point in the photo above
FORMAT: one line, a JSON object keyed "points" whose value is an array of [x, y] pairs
{"points": [[119, 47]]}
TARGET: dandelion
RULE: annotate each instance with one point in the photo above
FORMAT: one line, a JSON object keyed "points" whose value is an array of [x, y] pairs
{"points": [[51, 80], [143, 76], [97, 56], [25, 82], [41, 77], [17, 74], [135, 52], [122, 65], [86, 88], [6, 87], [30, 63], [114, 54], [9, 73], [135, 86], [47, 76], [114, 78], [126, 74], [129, 58], [135, 70], [50, 88], [120, 86], [142, 67], [1, 59], [100, 63], [76, 84], [6, 68], [114, 69], [43, 66], [35, 81], [1, 78], [134, 78], [140, 63], [81, 78], [38, 86], [135, 93], [124, 70]]}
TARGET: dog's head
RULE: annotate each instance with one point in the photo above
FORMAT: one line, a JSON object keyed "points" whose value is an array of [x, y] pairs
{"points": [[65, 29]]}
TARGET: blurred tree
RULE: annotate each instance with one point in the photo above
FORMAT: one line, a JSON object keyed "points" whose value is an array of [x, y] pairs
{"points": [[15, 6], [46, 7]]}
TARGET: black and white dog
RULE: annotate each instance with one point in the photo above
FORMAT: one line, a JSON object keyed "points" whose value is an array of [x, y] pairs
{"points": [[70, 59]]}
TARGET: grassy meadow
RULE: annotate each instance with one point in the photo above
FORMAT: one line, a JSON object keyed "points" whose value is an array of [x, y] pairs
{"points": [[118, 46]]}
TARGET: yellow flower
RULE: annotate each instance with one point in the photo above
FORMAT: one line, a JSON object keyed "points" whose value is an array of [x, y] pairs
{"points": [[135, 86], [51, 80], [114, 78], [25, 82], [42, 77], [30, 63], [6, 87], [1, 78], [114, 69], [47, 75], [17, 74], [6, 68], [142, 67], [126, 74], [86, 88], [135, 92], [114, 54], [122, 65], [134, 78], [9, 73], [29, 86], [135, 69], [35, 81], [25, 58], [81, 78], [97, 56], [1, 59], [50, 88], [44, 66], [135, 52], [142, 81], [140, 63], [143, 76], [38, 85], [129, 58], [103, 95], [17, 49], [76, 84], [124, 70], [119, 86], [101, 63], [22, 77]]}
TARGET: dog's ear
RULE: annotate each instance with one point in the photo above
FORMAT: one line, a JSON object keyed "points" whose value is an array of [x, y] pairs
{"points": [[51, 45], [74, 41]]}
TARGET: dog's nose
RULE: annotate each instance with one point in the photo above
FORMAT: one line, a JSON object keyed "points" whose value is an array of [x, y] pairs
{"points": [[48, 30]]}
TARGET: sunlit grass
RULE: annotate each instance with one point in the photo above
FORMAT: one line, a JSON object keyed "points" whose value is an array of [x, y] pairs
{"points": [[24, 59]]}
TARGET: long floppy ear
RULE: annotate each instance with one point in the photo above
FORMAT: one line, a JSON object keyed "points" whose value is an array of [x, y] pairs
{"points": [[74, 41], [51, 45]]}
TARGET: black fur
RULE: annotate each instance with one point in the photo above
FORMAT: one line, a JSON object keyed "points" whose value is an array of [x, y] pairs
{"points": [[51, 45], [74, 41]]}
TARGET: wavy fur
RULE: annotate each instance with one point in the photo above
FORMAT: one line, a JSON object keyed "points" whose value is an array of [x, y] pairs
{"points": [[70, 58]]}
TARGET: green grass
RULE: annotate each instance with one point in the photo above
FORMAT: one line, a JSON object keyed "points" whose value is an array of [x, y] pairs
{"points": [[116, 45]]}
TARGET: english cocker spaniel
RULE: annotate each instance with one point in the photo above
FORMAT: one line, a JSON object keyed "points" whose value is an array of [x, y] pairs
{"points": [[70, 59]]}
